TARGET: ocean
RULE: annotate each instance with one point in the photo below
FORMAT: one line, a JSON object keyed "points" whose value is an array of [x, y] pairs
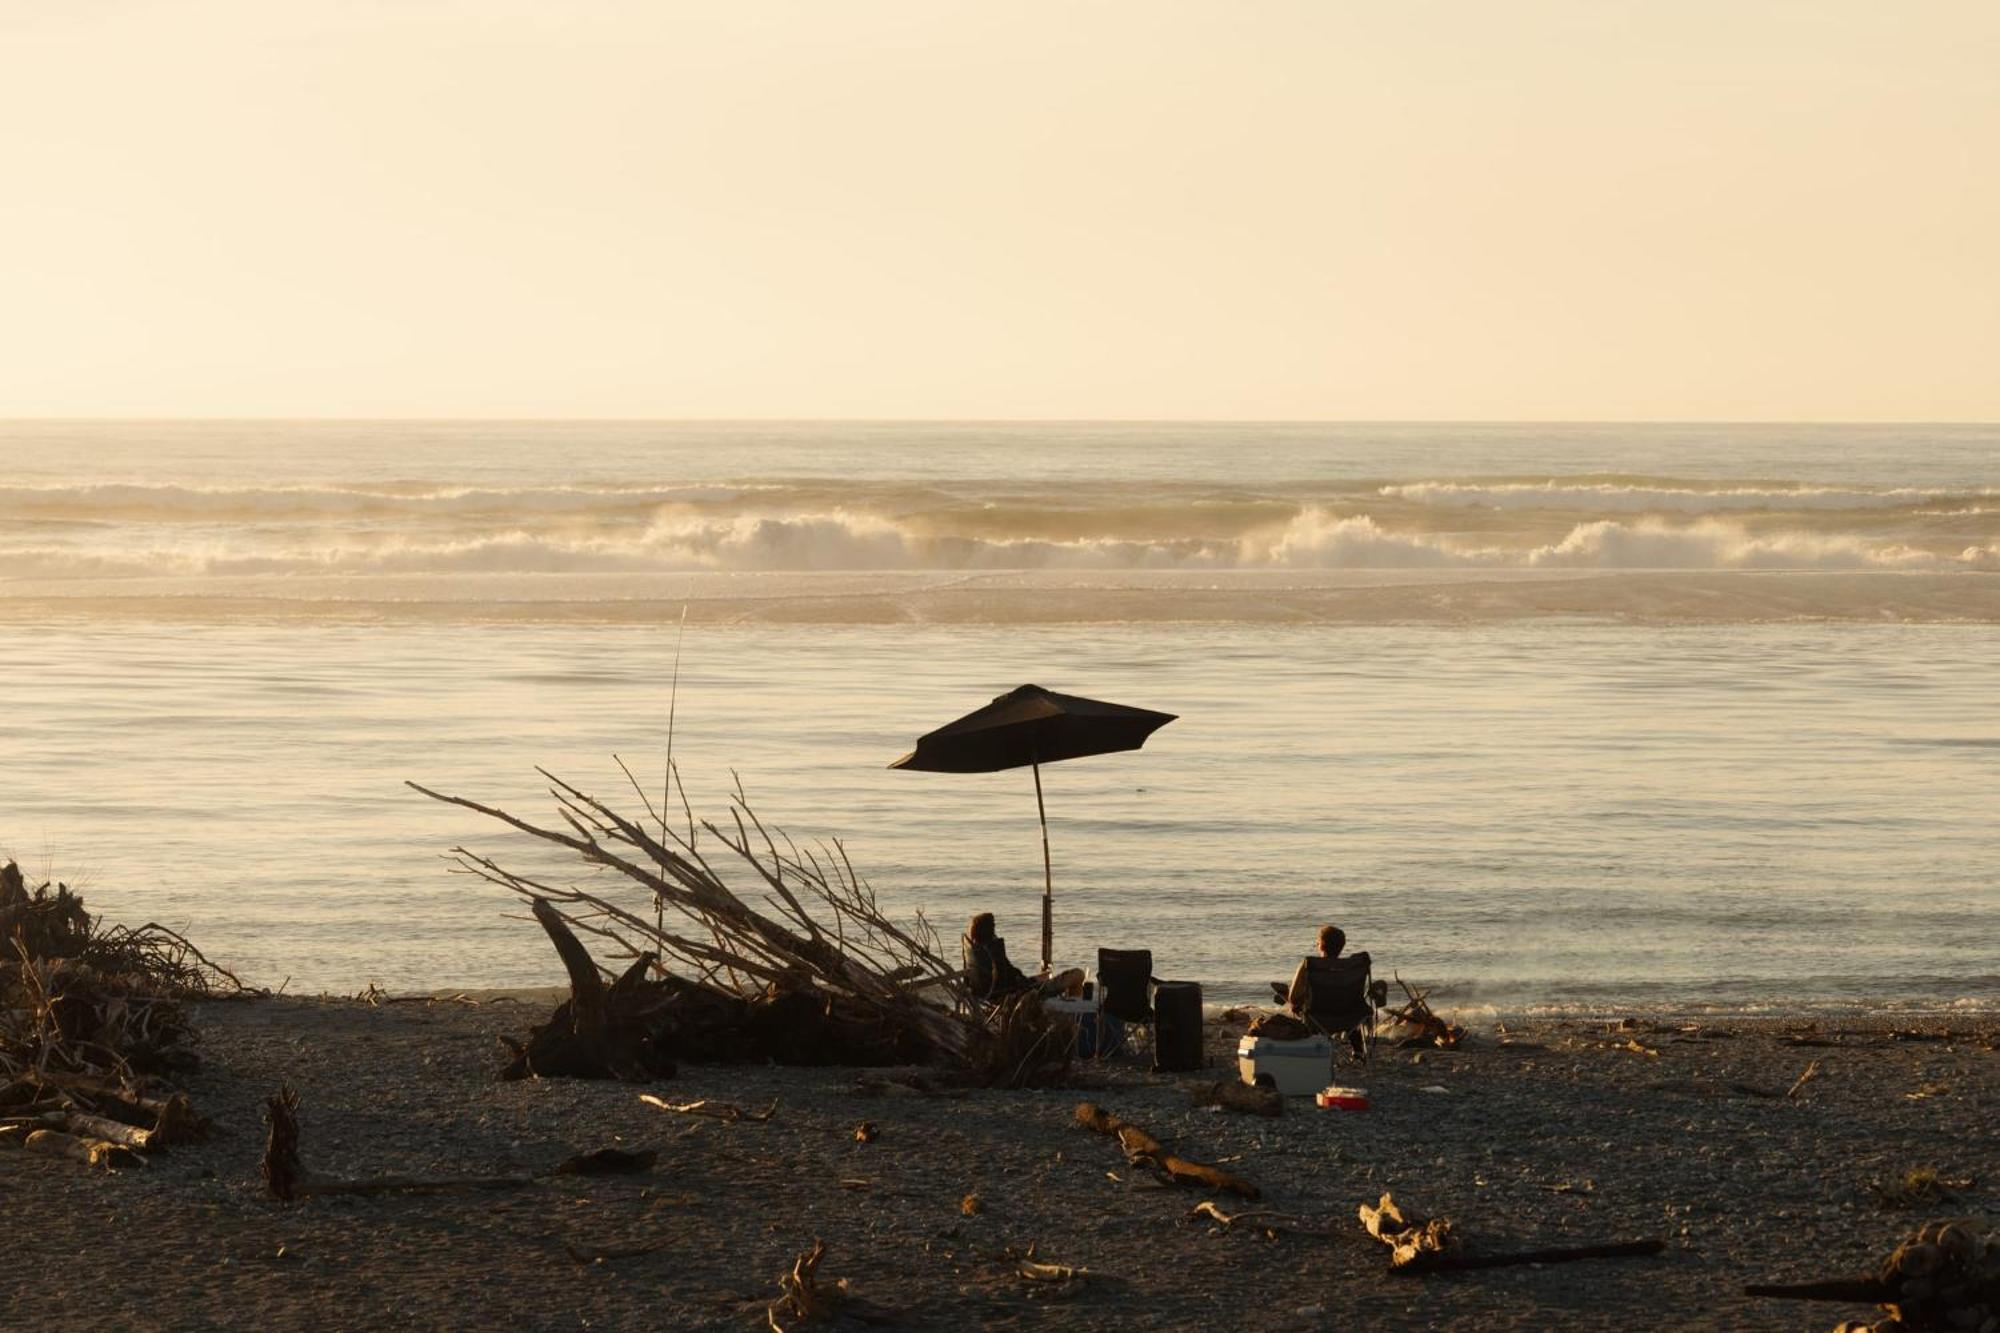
{"points": [[1576, 719]]}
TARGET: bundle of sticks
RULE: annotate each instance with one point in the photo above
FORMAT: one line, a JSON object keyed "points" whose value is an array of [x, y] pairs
{"points": [[1420, 1024], [734, 942], [91, 1019]]}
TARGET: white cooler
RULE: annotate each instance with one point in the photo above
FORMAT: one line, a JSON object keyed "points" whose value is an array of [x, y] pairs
{"points": [[1295, 1068]]}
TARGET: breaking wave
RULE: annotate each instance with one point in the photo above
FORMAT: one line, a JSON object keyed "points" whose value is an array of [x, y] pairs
{"points": [[1580, 523]]}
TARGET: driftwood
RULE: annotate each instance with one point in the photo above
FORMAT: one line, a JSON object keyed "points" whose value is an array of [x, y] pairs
{"points": [[91, 1016], [1946, 1276], [800, 967], [1432, 1245], [1142, 1149], [803, 1298], [727, 1112], [91, 1152], [1427, 1028], [1267, 1222]]}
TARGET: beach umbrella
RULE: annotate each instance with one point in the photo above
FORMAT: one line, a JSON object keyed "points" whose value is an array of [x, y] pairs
{"points": [[1026, 728]]}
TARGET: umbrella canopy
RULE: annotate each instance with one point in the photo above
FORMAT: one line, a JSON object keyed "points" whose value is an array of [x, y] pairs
{"points": [[1025, 728]]}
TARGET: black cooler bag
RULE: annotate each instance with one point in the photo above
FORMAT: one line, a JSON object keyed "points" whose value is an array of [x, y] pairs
{"points": [[1177, 1026]]}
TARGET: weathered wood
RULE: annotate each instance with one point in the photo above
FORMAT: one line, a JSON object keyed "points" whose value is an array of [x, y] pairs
{"points": [[91, 1152], [727, 1112], [1142, 1149], [1263, 1221], [109, 1131]]}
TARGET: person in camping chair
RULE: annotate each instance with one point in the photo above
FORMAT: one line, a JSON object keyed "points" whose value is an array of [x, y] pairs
{"points": [[989, 974], [1332, 992]]}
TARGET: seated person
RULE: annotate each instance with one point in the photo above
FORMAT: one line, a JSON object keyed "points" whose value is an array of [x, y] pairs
{"points": [[1342, 1002], [991, 977]]}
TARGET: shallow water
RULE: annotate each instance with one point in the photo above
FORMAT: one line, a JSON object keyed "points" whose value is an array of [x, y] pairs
{"points": [[1535, 810], [1534, 815]]}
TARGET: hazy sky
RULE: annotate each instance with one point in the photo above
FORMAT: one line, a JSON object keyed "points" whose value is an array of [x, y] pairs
{"points": [[989, 208]]}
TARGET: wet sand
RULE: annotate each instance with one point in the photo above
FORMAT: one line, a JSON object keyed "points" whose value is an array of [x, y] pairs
{"points": [[1562, 1139]]}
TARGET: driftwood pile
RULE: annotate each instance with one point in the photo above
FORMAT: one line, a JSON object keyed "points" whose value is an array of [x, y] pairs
{"points": [[92, 1017], [1946, 1276], [1421, 1025], [795, 962]]}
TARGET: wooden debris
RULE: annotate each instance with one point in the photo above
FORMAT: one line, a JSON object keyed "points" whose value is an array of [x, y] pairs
{"points": [[91, 1017], [803, 967], [727, 1112], [109, 1131], [1946, 1276], [1266, 1222], [1420, 1245], [1142, 1149], [1427, 1029], [1803, 1079], [1236, 1095], [1036, 1271], [803, 1298], [91, 1152], [1412, 1241]]}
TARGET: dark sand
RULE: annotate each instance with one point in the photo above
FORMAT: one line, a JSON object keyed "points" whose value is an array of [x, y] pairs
{"points": [[1564, 1145]]}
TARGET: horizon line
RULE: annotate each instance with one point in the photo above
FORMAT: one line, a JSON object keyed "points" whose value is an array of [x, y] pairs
{"points": [[151, 418]]}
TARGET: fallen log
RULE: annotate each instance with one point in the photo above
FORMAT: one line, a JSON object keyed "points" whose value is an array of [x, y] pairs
{"points": [[110, 1131], [1142, 1149], [91, 1152]]}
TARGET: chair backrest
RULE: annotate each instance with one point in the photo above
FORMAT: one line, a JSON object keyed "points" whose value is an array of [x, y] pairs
{"points": [[1337, 989], [1126, 976]]}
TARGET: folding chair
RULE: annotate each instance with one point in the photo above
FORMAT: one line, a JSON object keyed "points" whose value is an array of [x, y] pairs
{"points": [[1125, 985]]}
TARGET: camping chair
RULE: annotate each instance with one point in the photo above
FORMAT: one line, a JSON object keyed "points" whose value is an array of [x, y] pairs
{"points": [[1125, 981], [1341, 998]]}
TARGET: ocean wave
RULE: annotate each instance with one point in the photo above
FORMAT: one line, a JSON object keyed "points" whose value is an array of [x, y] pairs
{"points": [[1632, 498], [1315, 538]]}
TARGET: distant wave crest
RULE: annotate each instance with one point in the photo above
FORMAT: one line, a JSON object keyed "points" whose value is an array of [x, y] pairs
{"points": [[1587, 523]]}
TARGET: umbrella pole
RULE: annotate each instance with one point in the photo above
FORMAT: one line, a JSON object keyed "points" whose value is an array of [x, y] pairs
{"points": [[1048, 879]]}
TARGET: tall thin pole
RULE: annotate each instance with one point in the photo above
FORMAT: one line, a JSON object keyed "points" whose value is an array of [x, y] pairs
{"points": [[1048, 880]]}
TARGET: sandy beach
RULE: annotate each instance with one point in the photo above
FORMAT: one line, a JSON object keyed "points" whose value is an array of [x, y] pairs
{"points": [[1568, 1134]]}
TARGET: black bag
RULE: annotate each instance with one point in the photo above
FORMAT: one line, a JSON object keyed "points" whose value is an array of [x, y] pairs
{"points": [[1177, 1037]]}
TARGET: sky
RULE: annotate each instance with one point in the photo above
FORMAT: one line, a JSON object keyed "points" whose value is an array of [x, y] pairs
{"points": [[1142, 209]]}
